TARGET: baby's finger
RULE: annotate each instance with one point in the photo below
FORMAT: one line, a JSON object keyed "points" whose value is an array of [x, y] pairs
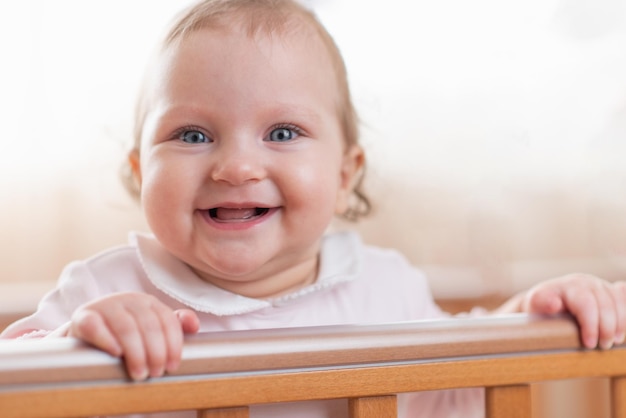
{"points": [[172, 337], [185, 322], [90, 327], [128, 335], [188, 320], [544, 300], [607, 314], [583, 305], [619, 297], [153, 337]]}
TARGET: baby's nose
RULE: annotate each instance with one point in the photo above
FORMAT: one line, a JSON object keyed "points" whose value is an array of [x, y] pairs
{"points": [[238, 165]]}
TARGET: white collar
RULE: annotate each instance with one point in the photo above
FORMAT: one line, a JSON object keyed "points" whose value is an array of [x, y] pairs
{"points": [[340, 261]]}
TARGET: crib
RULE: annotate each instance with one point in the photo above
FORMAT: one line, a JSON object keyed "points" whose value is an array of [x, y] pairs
{"points": [[222, 374]]}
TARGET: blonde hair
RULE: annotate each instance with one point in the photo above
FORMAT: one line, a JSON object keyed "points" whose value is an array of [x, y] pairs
{"points": [[267, 17]]}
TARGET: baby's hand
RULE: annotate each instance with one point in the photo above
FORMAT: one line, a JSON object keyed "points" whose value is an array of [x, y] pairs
{"points": [[138, 327], [598, 306]]}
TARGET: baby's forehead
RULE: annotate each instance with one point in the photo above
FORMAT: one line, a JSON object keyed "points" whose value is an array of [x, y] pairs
{"points": [[298, 34], [283, 22], [295, 32], [301, 49]]}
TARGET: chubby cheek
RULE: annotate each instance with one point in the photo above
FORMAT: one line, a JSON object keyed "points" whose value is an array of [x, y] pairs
{"points": [[166, 197], [311, 190]]}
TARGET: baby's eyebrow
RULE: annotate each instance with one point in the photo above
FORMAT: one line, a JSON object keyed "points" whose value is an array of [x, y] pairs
{"points": [[300, 112], [280, 110], [183, 110]]}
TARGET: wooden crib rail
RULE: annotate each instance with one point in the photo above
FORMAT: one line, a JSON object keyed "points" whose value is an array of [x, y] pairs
{"points": [[222, 373]]}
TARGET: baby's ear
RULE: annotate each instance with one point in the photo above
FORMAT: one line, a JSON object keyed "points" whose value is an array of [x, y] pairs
{"points": [[135, 166], [351, 172]]}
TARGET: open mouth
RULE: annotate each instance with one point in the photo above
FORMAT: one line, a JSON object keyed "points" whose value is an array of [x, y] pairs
{"points": [[236, 214]]}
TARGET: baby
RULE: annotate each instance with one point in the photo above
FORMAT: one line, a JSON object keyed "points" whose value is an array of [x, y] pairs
{"points": [[246, 147]]}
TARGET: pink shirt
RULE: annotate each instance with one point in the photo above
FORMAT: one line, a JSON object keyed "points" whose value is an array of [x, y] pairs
{"points": [[357, 284]]}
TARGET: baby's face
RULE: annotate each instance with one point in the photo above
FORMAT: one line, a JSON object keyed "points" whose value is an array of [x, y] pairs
{"points": [[243, 162]]}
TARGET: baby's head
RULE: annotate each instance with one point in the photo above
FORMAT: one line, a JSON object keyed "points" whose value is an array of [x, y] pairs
{"points": [[246, 144], [259, 18]]}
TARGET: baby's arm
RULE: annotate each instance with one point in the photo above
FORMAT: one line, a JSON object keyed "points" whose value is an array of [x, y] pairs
{"points": [[599, 306], [136, 326]]}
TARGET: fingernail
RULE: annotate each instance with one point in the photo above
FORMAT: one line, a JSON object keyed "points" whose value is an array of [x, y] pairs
{"points": [[590, 342], [139, 374], [156, 372], [606, 344]]}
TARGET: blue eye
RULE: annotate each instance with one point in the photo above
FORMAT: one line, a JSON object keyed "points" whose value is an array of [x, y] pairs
{"points": [[282, 135], [194, 137]]}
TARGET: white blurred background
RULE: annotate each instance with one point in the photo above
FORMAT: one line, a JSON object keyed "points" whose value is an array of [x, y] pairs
{"points": [[495, 130]]}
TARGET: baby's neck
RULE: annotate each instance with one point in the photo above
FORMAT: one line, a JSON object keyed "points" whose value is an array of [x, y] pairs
{"points": [[290, 279], [302, 282]]}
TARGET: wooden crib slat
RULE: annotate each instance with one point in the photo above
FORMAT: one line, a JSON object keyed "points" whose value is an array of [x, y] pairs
{"points": [[508, 401], [373, 407], [618, 397], [241, 412]]}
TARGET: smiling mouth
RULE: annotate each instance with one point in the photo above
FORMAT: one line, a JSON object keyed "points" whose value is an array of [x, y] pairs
{"points": [[236, 214]]}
